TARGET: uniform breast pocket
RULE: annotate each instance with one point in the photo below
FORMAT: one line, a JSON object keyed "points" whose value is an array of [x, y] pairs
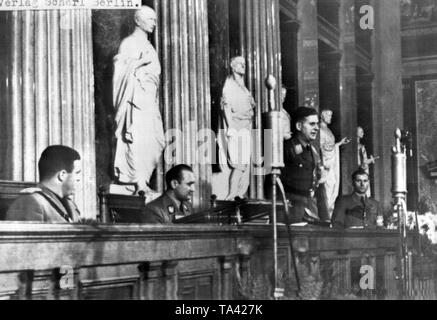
{"points": [[371, 208]]}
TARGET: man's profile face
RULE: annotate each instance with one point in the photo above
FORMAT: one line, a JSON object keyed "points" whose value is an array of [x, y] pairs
{"points": [[147, 22], [360, 132], [283, 95], [239, 67], [361, 184], [309, 127], [71, 179], [185, 188], [327, 117]]}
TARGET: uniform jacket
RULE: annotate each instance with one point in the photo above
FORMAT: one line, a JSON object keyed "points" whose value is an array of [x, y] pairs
{"points": [[164, 210], [349, 212], [42, 204], [301, 173]]}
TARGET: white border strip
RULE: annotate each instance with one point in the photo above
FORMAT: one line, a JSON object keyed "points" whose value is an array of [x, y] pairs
{"points": [[12, 5]]}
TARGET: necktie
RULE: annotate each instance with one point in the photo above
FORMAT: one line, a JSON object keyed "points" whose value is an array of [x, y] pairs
{"points": [[308, 155], [363, 201], [182, 208], [64, 202]]}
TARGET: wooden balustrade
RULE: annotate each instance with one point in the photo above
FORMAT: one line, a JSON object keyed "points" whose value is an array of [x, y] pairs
{"points": [[61, 261]]}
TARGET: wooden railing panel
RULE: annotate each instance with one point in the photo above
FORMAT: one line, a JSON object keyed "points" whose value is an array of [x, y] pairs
{"points": [[62, 261]]}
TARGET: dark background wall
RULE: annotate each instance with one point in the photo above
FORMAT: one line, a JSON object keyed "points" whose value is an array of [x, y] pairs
{"points": [[109, 28]]}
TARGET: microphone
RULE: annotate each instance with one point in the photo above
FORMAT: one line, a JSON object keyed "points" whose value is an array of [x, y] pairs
{"points": [[273, 125]]}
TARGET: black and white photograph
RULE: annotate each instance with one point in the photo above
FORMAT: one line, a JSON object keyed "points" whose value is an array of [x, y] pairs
{"points": [[234, 151]]}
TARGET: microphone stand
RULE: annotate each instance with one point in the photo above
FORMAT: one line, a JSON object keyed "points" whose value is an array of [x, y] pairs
{"points": [[277, 162], [273, 121], [399, 191]]}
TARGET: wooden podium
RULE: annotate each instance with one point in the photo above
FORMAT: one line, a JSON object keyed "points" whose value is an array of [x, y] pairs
{"points": [[117, 208], [9, 191], [234, 213], [221, 213]]}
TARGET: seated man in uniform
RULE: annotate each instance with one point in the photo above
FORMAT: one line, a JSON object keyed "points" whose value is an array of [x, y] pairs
{"points": [[356, 209], [59, 171], [175, 201]]}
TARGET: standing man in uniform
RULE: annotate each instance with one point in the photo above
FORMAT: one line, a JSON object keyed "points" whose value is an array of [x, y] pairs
{"points": [[302, 172], [175, 202], [59, 171]]}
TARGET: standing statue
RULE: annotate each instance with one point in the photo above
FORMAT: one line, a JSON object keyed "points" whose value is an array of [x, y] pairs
{"points": [[285, 117], [237, 106], [331, 159], [363, 160], [139, 129]]}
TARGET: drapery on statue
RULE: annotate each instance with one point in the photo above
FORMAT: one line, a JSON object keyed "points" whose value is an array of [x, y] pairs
{"points": [[331, 159], [363, 160], [139, 129], [237, 106], [285, 117]]}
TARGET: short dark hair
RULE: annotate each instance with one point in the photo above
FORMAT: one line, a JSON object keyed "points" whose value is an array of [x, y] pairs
{"points": [[359, 172], [176, 173], [301, 114], [56, 158]]}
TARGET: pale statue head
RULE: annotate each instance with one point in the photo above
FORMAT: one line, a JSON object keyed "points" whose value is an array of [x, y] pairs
{"points": [[238, 65], [145, 19], [326, 116], [360, 133], [283, 94]]}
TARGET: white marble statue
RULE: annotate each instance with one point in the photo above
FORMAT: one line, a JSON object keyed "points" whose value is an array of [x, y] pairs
{"points": [[331, 159], [285, 117], [139, 129], [237, 106], [363, 160]]}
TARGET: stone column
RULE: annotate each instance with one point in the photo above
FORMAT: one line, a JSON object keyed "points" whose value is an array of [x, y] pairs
{"points": [[364, 116], [387, 91], [348, 91], [260, 45], [51, 94], [308, 54], [182, 37]]}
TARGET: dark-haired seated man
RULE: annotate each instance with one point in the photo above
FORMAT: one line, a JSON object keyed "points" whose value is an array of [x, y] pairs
{"points": [[175, 202], [356, 209], [59, 170]]}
